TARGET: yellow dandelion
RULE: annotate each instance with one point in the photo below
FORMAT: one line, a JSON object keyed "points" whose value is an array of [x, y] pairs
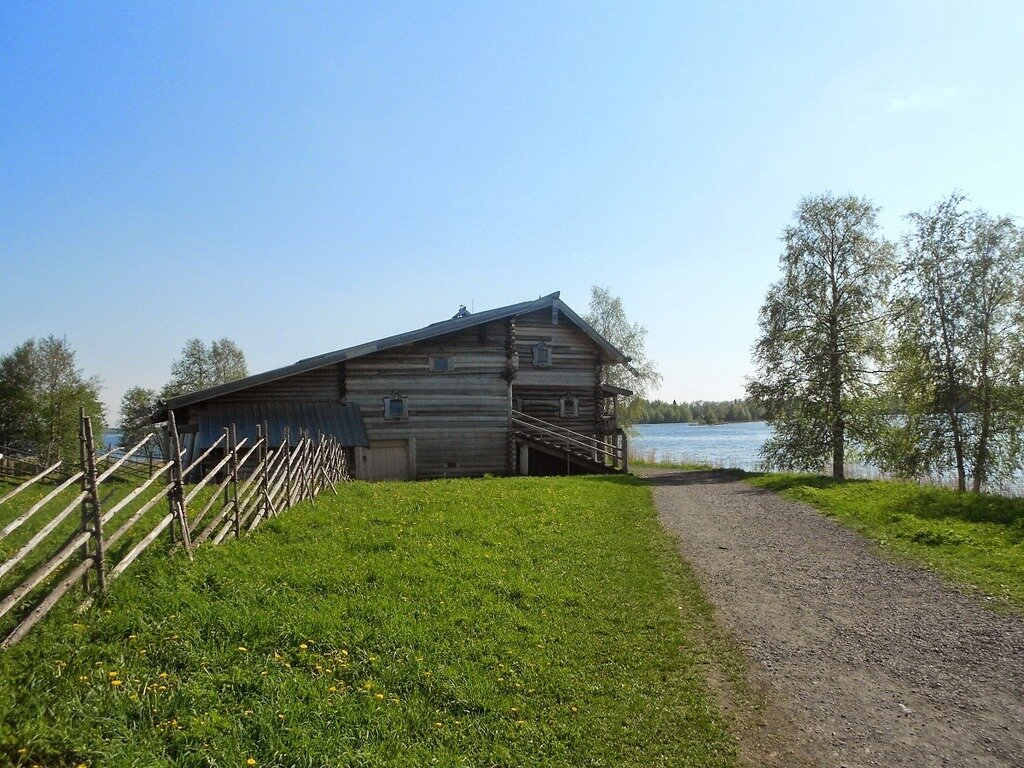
{"points": [[280, 715], [163, 675], [112, 674], [332, 689], [242, 649], [380, 695], [250, 761], [303, 646], [437, 725], [115, 683]]}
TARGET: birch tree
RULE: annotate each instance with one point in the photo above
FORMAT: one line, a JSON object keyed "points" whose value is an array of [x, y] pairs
{"points": [[608, 317], [41, 391], [955, 368], [821, 331], [202, 365]]}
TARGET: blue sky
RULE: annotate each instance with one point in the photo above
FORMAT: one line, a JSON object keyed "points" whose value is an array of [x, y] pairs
{"points": [[301, 177]]}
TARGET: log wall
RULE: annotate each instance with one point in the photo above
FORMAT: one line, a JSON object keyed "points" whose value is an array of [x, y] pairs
{"points": [[537, 391], [458, 418]]}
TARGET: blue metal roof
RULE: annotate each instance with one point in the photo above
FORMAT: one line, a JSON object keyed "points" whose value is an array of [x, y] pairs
{"points": [[344, 422]]}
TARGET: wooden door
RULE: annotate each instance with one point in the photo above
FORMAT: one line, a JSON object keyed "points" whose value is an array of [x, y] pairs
{"points": [[386, 460]]}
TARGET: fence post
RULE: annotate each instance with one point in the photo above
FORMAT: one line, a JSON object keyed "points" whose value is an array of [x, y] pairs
{"points": [[234, 481], [286, 444], [268, 508], [92, 518], [84, 525], [176, 498]]}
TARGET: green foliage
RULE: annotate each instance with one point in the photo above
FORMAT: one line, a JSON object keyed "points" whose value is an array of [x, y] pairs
{"points": [[137, 406], [975, 539], [821, 334], [41, 391], [514, 622], [200, 366], [608, 317], [955, 361], [701, 412]]}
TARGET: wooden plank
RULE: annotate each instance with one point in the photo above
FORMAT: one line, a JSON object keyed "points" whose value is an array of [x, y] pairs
{"points": [[140, 547], [47, 604], [22, 519], [11, 494], [137, 515], [43, 572], [45, 531]]}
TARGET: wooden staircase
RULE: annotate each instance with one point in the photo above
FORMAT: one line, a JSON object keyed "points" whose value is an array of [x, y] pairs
{"points": [[607, 454]]}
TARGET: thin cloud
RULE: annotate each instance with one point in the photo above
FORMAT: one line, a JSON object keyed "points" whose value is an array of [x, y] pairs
{"points": [[922, 100]]}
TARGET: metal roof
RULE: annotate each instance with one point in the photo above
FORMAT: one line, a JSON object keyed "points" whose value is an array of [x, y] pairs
{"points": [[457, 323], [344, 422]]}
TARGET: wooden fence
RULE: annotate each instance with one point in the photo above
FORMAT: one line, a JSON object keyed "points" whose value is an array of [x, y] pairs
{"points": [[225, 492]]}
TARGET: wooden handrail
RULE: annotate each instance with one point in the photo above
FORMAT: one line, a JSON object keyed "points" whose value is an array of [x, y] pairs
{"points": [[590, 447], [578, 436]]}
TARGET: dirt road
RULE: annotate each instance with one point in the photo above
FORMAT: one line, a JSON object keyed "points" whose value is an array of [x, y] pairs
{"points": [[877, 663]]}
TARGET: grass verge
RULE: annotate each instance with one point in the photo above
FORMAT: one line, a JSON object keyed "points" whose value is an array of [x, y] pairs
{"points": [[974, 539], [512, 622]]}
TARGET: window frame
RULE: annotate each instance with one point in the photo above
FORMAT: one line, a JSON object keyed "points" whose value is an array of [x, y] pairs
{"points": [[538, 351], [573, 411], [387, 408], [432, 359]]}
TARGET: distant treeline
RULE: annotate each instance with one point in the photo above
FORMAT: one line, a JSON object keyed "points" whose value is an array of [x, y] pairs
{"points": [[701, 412]]}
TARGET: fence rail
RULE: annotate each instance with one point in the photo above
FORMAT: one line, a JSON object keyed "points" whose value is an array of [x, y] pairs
{"points": [[226, 492]]}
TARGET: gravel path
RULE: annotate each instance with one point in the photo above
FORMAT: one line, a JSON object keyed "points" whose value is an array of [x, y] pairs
{"points": [[881, 664]]}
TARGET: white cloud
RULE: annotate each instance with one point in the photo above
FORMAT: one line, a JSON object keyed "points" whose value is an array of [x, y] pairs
{"points": [[921, 100]]}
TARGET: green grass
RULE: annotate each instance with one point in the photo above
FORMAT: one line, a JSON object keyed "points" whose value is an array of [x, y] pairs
{"points": [[111, 492], [973, 539], [650, 461], [505, 622]]}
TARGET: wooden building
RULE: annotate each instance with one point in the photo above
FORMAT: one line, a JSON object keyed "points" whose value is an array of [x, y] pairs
{"points": [[519, 389]]}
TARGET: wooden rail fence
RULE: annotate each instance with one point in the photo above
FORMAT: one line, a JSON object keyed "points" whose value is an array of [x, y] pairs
{"points": [[237, 485]]}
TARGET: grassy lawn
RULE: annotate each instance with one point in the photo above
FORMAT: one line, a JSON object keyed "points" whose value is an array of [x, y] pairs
{"points": [[111, 492], [504, 622], [974, 539]]}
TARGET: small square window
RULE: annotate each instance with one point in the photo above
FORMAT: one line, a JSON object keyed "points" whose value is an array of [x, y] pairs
{"points": [[569, 406], [541, 355], [395, 408], [441, 363]]}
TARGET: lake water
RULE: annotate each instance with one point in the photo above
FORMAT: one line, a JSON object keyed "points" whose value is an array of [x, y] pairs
{"points": [[722, 445], [739, 446]]}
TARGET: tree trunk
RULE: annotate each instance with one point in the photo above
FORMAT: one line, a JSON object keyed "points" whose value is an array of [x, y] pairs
{"points": [[839, 450], [981, 455], [958, 449]]}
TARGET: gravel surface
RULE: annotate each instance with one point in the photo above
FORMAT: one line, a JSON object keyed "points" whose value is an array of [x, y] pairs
{"points": [[881, 664]]}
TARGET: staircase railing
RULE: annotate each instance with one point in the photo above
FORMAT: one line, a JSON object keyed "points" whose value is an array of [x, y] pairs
{"points": [[606, 452]]}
